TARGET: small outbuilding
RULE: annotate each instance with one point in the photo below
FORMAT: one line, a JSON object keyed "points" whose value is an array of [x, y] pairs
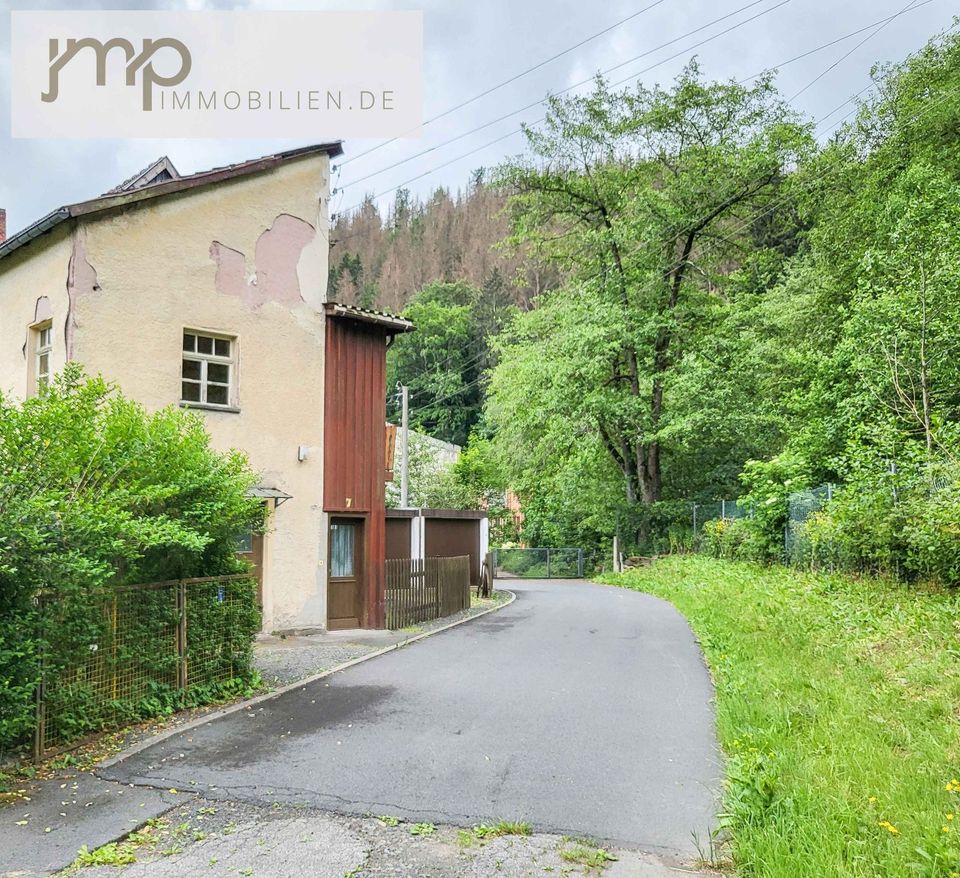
{"points": [[439, 533]]}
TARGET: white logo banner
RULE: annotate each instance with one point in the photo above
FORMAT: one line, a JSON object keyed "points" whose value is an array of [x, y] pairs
{"points": [[323, 75]]}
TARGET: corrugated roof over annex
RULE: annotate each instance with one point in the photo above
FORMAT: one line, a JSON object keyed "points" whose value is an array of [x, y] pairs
{"points": [[367, 315], [130, 193]]}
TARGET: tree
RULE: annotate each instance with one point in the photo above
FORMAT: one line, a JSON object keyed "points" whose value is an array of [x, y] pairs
{"points": [[646, 199], [437, 362], [903, 335]]}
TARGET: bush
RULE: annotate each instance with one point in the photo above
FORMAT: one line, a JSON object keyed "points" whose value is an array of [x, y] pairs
{"points": [[903, 522], [769, 485], [95, 492], [737, 538]]}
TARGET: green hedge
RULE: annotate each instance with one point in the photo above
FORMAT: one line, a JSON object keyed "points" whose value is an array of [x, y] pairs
{"points": [[94, 493]]}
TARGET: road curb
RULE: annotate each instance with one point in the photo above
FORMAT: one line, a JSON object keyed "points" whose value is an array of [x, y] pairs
{"points": [[290, 687]]}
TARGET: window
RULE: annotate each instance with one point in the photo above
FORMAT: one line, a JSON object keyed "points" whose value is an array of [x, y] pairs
{"points": [[208, 369], [43, 350], [342, 542]]}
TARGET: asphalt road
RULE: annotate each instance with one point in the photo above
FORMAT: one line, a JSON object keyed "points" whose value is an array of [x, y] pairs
{"points": [[582, 709]]}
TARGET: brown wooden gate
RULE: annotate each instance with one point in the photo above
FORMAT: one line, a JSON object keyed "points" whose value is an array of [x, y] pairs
{"points": [[452, 537]]}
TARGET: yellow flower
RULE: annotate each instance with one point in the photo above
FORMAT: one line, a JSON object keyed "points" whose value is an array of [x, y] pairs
{"points": [[946, 828], [872, 799], [949, 816]]}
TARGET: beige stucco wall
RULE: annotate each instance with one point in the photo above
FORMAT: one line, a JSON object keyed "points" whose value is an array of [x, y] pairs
{"points": [[247, 258], [30, 283]]}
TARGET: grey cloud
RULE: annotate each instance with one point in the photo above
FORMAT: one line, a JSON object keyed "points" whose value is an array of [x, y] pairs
{"points": [[469, 47]]}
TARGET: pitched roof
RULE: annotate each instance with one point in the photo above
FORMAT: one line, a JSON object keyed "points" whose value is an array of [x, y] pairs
{"points": [[122, 197]]}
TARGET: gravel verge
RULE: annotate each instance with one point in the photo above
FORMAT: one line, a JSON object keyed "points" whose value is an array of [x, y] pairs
{"points": [[286, 660]]}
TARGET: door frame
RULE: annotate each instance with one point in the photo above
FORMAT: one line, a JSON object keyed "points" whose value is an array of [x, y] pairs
{"points": [[359, 564], [257, 554]]}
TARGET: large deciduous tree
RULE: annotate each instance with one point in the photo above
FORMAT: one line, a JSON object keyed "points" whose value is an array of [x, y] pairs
{"points": [[647, 200]]}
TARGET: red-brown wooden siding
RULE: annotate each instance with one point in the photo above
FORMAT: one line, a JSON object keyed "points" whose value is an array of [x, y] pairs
{"points": [[354, 435]]}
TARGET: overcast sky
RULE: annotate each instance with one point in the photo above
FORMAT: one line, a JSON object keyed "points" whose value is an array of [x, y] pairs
{"points": [[471, 46]]}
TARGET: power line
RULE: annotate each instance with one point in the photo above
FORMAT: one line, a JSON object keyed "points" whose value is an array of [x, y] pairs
{"points": [[843, 57], [568, 89], [700, 251], [883, 22], [506, 82], [538, 103], [833, 42], [449, 396], [469, 364], [710, 244]]}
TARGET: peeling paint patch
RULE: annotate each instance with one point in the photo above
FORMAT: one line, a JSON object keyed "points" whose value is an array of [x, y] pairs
{"points": [[81, 281], [231, 271], [277, 255], [42, 310]]}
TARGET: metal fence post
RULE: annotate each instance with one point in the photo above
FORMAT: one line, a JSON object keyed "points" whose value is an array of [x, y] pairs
{"points": [[723, 509], [182, 634], [39, 730], [580, 563], [548, 563]]}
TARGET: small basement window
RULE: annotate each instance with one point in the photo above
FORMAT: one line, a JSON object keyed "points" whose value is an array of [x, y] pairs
{"points": [[209, 369]]}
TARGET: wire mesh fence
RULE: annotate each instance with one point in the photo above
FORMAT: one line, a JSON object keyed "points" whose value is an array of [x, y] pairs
{"points": [[138, 651], [421, 589], [539, 563], [726, 510], [800, 506]]}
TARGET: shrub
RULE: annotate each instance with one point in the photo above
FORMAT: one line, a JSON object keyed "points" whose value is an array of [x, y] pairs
{"points": [[737, 538], [902, 520], [769, 485], [96, 492]]}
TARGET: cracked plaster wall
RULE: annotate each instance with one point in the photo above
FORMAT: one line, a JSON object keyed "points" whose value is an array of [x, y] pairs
{"points": [[247, 258]]}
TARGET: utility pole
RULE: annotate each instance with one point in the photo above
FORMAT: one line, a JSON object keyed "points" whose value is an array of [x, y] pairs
{"points": [[405, 443]]}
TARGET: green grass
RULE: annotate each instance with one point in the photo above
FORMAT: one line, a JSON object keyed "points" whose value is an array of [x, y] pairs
{"points": [[838, 703], [501, 827], [585, 853], [422, 829]]}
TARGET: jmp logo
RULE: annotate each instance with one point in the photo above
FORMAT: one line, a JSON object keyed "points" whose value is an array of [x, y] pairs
{"points": [[137, 64]]}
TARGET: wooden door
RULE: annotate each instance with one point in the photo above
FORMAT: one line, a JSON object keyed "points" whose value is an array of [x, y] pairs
{"points": [[250, 548], [345, 582]]}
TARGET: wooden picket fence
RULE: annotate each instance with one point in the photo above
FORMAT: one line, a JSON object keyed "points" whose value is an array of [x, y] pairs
{"points": [[421, 589]]}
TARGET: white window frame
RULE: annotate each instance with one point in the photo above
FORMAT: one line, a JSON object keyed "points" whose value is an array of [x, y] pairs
{"points": [[205, 359], [42, 346]]}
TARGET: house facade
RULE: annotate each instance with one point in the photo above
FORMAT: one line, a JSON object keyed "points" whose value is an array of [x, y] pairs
{"points": [[208, 291]]}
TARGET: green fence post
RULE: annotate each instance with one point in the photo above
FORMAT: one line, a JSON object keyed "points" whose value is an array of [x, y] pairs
{"points": [[182, 634], [39, 730]]}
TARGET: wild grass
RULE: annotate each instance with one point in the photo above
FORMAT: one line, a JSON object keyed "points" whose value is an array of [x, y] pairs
{"points": [[584, 852], [838, 708]]}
